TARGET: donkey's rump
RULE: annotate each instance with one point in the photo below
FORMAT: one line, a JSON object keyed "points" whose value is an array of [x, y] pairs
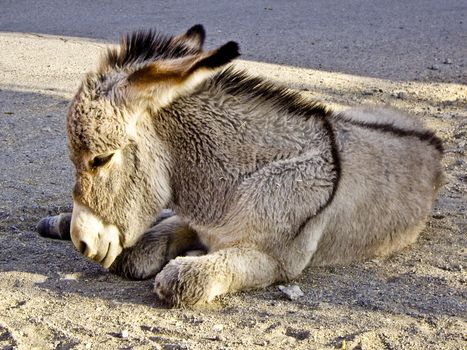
{"points": [[390, 173]]}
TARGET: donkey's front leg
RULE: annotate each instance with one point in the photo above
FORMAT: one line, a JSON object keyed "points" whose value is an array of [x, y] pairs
{"points": [[161, 243], [197, 280]]}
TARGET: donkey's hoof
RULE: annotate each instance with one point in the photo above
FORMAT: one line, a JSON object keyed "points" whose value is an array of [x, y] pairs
{"points": [[56, 227], [183, 282]]}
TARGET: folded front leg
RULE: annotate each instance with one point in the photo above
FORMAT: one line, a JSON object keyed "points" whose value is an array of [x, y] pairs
{"points": [[197, 280], [161, 243]]}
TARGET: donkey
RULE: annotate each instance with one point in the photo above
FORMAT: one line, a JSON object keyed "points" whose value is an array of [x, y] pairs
{"points": [[263, 180]]}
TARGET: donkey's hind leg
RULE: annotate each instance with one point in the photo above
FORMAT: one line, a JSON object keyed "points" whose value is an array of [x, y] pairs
{"points": [[161, 243], [396, 242]]}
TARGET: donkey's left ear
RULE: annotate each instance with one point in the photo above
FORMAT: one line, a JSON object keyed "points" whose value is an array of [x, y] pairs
{"points": [[216, 58], [193, 37], [163, 80]]}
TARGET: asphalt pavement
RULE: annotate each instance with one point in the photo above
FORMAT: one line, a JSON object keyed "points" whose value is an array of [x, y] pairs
{"points": [[416, 39]]}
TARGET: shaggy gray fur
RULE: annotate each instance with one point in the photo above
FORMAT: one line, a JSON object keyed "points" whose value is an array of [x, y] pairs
{"points": [[264, 180]]}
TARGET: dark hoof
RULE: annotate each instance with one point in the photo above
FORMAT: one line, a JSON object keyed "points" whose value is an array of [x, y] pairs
{"points": [[56, 227]]}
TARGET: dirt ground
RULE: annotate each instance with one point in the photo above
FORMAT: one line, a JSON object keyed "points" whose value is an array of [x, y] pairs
{"points": [[53, 298]]}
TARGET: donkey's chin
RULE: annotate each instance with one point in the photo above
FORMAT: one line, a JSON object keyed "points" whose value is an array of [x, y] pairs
{"points": [[93, 238]]}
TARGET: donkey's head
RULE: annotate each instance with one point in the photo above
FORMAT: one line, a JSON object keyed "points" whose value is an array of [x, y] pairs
{"points": [[122, 167]]}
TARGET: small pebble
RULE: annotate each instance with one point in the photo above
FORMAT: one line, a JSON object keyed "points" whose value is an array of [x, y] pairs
{"points": [[292, 292], [402, 95], [433, 67], [298, 334], [216, 338], [438, 216], [261, 342], [218, 328], [124, 334], [447, 61]]}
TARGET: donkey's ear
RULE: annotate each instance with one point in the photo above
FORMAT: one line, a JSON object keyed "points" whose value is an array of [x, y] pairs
{"points": [[165, 79], [179, 69], [193, 37]]}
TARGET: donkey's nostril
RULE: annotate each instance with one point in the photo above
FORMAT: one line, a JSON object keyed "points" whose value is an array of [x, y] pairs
{"points": [[82, 247]]}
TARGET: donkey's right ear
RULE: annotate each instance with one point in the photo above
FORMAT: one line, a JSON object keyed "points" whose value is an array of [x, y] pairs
{"points": [[193, 37]]}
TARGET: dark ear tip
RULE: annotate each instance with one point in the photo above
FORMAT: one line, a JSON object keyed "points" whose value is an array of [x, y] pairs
{"points": [[231, 49], [197, 29], [220, 56]]}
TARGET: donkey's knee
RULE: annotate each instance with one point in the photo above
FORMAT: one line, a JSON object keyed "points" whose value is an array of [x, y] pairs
{"points": [[144, 260], [164, 241]]}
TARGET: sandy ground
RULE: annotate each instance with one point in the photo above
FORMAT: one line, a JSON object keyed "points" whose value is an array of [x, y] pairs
{"points": [[407, 55]]}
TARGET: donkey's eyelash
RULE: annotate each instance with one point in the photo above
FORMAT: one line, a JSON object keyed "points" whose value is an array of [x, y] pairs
{"points": [[99, 161]]}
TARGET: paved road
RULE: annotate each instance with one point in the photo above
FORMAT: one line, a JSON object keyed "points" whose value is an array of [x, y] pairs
{"points": [[390, 39]]}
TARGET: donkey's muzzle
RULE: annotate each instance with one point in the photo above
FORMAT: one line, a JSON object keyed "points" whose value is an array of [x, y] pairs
{"points": [[93, 238]]}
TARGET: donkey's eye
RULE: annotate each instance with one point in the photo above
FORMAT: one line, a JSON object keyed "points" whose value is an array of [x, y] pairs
{"points": [[101, 160]]}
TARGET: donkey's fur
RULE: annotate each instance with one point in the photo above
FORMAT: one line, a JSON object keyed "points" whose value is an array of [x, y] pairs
{"points": [[264, 180]]}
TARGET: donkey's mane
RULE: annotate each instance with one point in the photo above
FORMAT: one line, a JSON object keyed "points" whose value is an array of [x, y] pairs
{"points": [[237, 82], [145, 45]]}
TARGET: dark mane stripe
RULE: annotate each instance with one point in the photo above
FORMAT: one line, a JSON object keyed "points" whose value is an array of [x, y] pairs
{"points": [[237, 82], [424, 135], [145, 45]]}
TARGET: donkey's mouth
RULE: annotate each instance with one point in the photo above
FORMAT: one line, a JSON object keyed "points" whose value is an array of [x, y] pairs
{"points": [[101, 261], [95, 239], [113, 250], [107, 254]]}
